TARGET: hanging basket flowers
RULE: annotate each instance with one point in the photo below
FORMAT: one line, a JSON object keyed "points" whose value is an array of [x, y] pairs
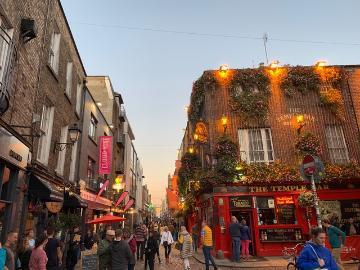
{"points": [[306, 199], [308, 144], [332, 99], [226, 147]]}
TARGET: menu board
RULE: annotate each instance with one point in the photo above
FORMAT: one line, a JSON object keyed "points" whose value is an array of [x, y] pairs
{"points": [[280, 235], [89, 261], [240, 202], [286, 214], [350, 209]]}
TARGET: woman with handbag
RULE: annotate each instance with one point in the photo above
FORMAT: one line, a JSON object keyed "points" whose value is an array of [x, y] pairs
{"points": [[186, 247], [167, 240]]}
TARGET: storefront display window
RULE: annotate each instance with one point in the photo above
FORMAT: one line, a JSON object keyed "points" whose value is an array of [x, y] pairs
{"points": [[266, 210], [278, 210], [285, 210]]}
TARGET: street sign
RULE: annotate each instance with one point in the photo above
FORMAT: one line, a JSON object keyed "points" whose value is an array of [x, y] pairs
{"points": [[309, 165]]}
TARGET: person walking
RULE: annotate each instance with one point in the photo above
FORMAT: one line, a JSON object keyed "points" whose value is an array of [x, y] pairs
{"points": [[245, 237], [120, 252], [207, 243], [30, 237], [315, 255], [10, 247], [336, 244], [167, 240], [89, 239], [104, 251], [157, 236], [150, 251], [140, 236], [24, 254], [73, 253], [195, 236], [130, 239], [53, 251], [186, 247], [38, 258], [235, 233]]}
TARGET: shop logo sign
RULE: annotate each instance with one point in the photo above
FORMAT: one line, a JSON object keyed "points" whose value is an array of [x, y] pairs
{"points": [[240, 202], [105, 154]]}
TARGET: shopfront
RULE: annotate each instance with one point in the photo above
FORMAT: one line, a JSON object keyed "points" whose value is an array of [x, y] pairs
{"points": [[14, 156], [273, 214]]}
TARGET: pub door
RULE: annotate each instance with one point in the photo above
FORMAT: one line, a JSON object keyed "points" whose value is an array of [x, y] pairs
{"points": [[247, 215]]}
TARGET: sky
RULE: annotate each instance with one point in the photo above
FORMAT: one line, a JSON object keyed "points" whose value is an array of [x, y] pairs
{"points": [[153, 50]]}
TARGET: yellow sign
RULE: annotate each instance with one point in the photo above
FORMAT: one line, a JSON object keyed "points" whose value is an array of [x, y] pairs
{"points": [[54, 207]]}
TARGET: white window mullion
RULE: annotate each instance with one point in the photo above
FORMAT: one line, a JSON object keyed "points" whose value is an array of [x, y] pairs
{"points": [[244, 144], [264, 143], [69, 71], [78, 98], [62, 154], [73, 162], [48, 135]]}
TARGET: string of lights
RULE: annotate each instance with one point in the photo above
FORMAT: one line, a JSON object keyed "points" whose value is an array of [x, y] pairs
{"points": [[219, 35]]}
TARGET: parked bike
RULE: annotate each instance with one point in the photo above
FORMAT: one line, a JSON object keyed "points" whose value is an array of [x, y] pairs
{"points": [[291, 254]]}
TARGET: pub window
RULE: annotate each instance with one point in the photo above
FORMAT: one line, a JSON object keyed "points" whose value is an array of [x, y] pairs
{"points": [[46, 125], [92, 127], [78, 97], [336, 144], [256, 145], [91, 169], [62, 154], [266, 210], [285, 210], [69, 72], [5, 39], [54, 50]]}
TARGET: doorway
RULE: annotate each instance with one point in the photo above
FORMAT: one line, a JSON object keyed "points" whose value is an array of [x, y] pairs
{"points": [[247, 215]]}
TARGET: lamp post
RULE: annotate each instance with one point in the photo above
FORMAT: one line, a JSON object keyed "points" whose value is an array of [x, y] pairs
{"points": [[74, 132], [224, 122]]}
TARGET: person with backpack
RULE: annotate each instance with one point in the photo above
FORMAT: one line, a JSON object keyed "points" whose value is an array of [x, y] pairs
{"points": [[315, 255]]}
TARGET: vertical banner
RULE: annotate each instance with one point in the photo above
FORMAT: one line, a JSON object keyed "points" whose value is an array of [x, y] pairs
{"points": [[105, 154], [129, 204]]}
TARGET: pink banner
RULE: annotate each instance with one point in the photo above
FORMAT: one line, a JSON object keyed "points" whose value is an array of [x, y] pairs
{"points": [[129, 204], [106, 183], [105, 154], [121, 198]]}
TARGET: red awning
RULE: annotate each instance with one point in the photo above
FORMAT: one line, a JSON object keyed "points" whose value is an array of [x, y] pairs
{"points": [[106, 219]]}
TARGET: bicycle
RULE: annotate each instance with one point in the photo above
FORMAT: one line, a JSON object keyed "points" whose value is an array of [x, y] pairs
{"points": [[291, 255]]}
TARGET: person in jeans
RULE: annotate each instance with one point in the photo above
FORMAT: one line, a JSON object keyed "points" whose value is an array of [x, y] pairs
{"points": [[53, 251], [315, 255], [245, 239], [195, 236], [10, 247], [207, 243], [120, 252], [234, 229], [150, 251], [336, 244], [140, 236], [166, 241], [38, 258]]}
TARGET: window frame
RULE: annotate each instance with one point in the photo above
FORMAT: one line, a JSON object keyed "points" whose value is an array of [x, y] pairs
{"points": [[92, 127], [54, 50], [7, 33], [62, 154], [92, 169], [79, 87], [46, 128], [339, 138], [69, 79]]}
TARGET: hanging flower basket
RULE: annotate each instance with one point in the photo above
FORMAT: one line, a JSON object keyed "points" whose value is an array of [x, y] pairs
{"points": [[332, 99], [306, 199], [308, 144]]}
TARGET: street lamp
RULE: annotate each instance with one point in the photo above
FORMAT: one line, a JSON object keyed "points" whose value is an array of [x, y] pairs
{"points": [[321, 63], [118, 185], [74, 133], [300, 122], [224, 122]]}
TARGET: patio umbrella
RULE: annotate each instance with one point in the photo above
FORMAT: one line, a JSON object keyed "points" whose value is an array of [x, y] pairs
{"points": [[106, 219]]}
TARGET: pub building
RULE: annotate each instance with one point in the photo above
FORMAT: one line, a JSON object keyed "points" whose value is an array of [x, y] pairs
{"points": [[273, 214]]}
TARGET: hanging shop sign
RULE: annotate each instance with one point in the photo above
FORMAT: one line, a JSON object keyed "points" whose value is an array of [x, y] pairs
{"points": [[12, 149], [201, 132], [285, 200], [54, 207], [240, 202], [105, 154]]}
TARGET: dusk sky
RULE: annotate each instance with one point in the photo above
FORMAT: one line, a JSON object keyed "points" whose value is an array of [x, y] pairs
{"points": [[154, 50]]}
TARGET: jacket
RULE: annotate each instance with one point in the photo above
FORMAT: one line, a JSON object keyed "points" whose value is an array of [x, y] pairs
{"points": [[187, 248], [151, 248], [245, 233], [104, 254], [334, 235], [140, 234], [38, 259], [308, 259], [120, 255], [234, 229], [167, 237], [206, 237]]}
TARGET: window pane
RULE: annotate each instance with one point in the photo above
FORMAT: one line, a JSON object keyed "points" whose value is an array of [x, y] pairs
{"points": [[266, 210], [336, 144]]}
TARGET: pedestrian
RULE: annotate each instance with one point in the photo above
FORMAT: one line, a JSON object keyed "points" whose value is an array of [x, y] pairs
{"points": [[336, 244], [2, 258], [24, 254], [38, 258], [167, 240], [245, 240], [140, 236], [195, 236], [150, 251], [315, 255], [73, 253], [120, 252], [104, 251], [207, 243], [130, 239], [186, 247], [156, 236], [104, 231], [30, 237], [235, 233], [53, 251], [10, 247], [89, 239], [350, 228]]}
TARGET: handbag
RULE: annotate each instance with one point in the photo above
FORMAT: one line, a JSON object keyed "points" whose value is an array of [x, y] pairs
{"points": [[165, 243]]}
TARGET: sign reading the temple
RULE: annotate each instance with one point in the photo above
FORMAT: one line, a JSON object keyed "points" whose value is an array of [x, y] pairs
{"points": [[240, 202]]}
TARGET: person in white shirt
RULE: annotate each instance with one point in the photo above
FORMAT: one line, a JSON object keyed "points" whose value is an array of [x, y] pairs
{"points": [[167, 240]]}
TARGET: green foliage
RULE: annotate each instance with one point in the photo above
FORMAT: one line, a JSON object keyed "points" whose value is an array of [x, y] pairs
{"points": [[308, 144], [190, 164], [249, 92], [65, 221], [227, 158]]}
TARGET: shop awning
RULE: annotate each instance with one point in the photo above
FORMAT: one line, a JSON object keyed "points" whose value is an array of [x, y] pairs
{"points": [[44, 190], [74, 200]]}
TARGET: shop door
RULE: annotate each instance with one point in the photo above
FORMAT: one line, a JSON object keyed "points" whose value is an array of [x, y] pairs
{"points": [[247, 215]]}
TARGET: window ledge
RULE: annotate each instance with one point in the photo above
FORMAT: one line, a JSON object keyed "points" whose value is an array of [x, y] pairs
{"points": [[92, 139], [52, 71]]}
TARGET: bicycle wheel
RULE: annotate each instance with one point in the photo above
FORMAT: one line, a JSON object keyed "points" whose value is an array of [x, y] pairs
{"points": [[291, 266]]}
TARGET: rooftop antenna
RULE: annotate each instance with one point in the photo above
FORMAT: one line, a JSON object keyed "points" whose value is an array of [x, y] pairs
{"points": [[265, 39]]}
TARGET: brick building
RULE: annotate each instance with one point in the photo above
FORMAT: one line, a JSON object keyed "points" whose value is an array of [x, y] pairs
{"points": [[274, 115]]}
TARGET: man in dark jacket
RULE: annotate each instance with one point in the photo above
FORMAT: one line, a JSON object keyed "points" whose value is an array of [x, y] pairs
{"points": [[140, 236], [315, 255], [235, 233], [150, 250], [120, 252], [104, 251]]}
